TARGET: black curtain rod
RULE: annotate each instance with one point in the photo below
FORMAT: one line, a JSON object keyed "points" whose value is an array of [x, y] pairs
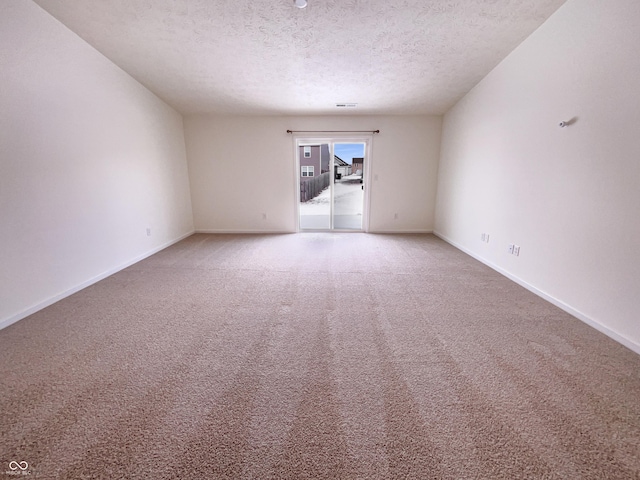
{"points": [[333, 131]]}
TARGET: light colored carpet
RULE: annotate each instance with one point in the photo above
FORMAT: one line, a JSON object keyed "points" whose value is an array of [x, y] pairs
{"points": [[315, 355]]}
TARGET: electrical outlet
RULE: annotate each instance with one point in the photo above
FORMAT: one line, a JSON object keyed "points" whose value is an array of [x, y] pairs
{"points": [[484, 237], [516, 250]]}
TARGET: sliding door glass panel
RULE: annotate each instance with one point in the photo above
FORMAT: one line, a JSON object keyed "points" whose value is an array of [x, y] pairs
{"points": [[348, 187], [315, 186]]}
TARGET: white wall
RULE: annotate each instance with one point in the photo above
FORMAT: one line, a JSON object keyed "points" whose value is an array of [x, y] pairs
{"points": [[89, 159], [570, 197], [241, 167]]}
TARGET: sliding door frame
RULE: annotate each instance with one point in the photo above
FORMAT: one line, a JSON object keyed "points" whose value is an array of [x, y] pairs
{"points": [[331, 139]]}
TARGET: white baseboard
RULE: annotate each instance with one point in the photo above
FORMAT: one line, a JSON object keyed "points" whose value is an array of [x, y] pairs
{"points": [[630, 344], [400, 232], [51, 300], [271, 232], [242, 232]]}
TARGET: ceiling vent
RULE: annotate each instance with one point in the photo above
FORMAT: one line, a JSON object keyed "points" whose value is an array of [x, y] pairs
{"points": [[346, 105]]}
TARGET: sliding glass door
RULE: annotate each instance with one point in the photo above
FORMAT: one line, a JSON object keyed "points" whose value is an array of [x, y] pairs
{"points": [[348, 186], [331, 183]]}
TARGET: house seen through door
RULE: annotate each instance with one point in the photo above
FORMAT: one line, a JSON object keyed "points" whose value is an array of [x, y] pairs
{"points": [[331, 182]]}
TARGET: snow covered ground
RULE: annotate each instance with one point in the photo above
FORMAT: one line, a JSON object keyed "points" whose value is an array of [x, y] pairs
{"points": [[348, 205]]}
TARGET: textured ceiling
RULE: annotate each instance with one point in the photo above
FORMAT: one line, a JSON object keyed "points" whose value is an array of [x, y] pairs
{"points": [[268, 57]]}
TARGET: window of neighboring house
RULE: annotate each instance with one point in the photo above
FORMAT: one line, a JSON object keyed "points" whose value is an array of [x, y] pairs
{"points": [[307, 171], [307, 154]]}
